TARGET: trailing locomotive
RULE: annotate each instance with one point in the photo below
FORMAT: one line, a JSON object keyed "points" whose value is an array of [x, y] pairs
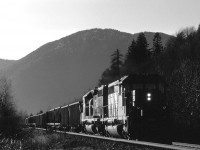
{"points": [[133, 107]]}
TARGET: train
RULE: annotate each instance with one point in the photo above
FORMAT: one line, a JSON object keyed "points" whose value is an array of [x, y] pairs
{"points": [[133, 107]]}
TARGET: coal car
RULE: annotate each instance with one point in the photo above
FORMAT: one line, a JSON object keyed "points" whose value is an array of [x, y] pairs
{"points": [[64, 124], [31, 121], [75, 111]]}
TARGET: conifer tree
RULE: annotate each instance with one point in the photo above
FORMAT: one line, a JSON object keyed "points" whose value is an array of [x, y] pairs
{"points": [[198, 30], [106, 77], [138, 56], [116, 63], [113, 73], [197, 41], [131, 49], [129, 60], [130, 53], [157, 44], [141, 53]]}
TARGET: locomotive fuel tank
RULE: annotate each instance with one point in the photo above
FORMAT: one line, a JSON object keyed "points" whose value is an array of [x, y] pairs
{"points": [[91, 128], [115, 130]]}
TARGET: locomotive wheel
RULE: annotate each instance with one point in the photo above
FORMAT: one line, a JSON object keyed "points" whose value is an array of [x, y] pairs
{"points": [[125, 135], [107, 134]]}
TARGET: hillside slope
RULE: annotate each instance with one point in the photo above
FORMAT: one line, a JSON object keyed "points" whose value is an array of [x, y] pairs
{"points": [[4, 63], [61, 71]]}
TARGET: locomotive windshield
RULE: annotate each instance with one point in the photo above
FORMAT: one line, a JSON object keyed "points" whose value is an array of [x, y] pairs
{"points": [[111, 90], [150, 86], [100, 93]]}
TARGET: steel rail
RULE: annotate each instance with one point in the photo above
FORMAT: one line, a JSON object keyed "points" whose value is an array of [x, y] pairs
{"points": [[194, 146], [134, 142]]}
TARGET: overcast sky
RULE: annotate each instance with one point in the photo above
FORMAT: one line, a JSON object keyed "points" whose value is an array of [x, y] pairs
{"points": [[25, 25]]}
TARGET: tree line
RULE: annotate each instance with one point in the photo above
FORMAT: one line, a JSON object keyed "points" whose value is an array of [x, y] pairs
{"points": [[139, 59], [11, 120], [178, 61]]}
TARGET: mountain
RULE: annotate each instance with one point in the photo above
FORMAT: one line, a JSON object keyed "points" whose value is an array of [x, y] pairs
{"points": [[5, 63], [61, 71]]}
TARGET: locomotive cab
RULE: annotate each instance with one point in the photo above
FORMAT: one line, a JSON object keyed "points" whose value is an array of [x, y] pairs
{"points": [[146, 108], [137, 107]]}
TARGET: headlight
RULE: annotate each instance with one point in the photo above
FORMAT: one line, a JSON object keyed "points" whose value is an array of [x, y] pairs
{"points": [[148, 96]]}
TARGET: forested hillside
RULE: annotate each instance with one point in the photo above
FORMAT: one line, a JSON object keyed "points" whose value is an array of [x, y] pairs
{"points": [[179, 63]]}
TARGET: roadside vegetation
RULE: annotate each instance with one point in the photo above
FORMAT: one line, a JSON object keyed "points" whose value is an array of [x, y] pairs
{"points": [[11, 121], [42, 140]]}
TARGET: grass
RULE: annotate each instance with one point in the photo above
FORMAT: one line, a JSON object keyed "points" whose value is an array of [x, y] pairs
{"points": [[30, 139], [10, 144]]}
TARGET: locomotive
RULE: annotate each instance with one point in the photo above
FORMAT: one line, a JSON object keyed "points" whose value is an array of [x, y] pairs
{"points": [[132, 107]]}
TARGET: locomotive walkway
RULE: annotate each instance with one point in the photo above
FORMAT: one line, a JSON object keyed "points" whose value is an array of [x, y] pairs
{"points": [[175, 146]]}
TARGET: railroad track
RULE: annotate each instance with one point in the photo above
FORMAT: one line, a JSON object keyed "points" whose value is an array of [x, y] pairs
{"points": [[187, 145], [174, 146]]}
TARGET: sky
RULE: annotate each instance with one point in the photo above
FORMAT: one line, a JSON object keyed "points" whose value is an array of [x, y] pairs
{"points": [[25, 25]]}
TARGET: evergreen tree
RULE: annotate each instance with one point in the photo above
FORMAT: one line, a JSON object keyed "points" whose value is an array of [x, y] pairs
{"points": [[131, 49], [129, 60], [106, 77], [141, 56], [157, 49], [197, 41], [141, 53], [116, 63], [138, 57], [180, 40], [198, 31], [113, 73], [130, 53], [157, 44]]}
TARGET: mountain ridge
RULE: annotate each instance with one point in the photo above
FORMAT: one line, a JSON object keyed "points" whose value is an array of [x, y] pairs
{"points": [[4, 63], [61, 71]]}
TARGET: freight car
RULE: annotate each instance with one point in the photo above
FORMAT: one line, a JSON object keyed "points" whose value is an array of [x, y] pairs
{"points": [[133, 107], [63, 118], [53, 118], [31, 121]]}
